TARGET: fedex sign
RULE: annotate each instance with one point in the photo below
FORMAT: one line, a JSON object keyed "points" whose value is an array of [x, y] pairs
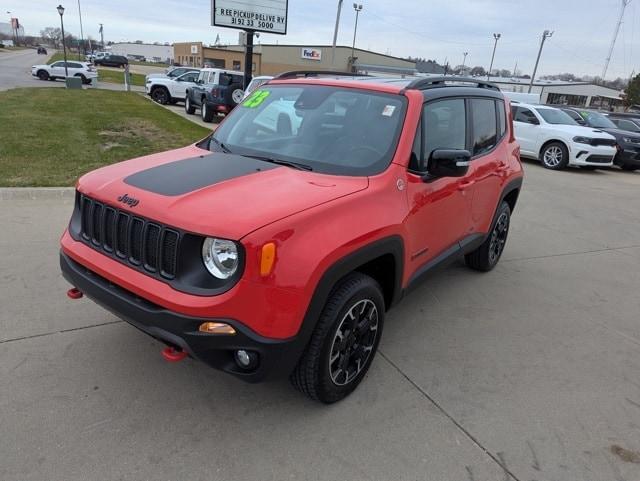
{"points": [[312, 54]]}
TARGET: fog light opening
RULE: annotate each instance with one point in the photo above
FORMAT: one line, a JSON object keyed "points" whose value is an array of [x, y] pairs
{"points": [[246, 360]]}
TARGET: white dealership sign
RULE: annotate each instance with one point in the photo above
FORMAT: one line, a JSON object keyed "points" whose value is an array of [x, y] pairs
{"points": [[311, 54], [259, 15]]}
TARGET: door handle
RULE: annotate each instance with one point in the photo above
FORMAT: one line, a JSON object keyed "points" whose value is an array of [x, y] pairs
{"points": [[465, 184]]}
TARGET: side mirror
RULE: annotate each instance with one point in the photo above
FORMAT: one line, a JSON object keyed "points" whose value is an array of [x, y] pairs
{"points": [[447, 163]]}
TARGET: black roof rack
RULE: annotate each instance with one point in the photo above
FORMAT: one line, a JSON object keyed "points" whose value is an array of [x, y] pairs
{"points": [[316, 73], [436, 82]]}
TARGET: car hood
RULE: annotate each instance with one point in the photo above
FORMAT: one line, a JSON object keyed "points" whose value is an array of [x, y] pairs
{"points": [[581, 130], [622, 133], [212, 193]]}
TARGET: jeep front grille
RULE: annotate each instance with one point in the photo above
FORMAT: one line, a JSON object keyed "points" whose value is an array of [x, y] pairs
{"points": [[129, 238]]}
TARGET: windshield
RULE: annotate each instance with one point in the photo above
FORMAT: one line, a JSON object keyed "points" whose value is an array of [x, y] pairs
{"points": [[328, 129], [555, 116], [597, 120]]}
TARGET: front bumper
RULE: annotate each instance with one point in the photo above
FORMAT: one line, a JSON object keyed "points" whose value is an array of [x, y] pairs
{"points": [[629, 156], [585, 154], [277, 358]]}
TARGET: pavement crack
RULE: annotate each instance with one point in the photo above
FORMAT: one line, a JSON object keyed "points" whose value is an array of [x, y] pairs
{"points": [[499, 461], [608, 249], [44, 334]]}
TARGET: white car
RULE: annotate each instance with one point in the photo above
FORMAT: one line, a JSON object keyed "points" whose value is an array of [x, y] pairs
{"points": [[549, 135], [165, 90], [255, 83], [56, 70], [172, 72]]}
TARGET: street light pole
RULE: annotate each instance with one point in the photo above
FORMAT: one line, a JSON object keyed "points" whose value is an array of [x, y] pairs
{"points": [[335, 35], [545, 35], [496, 36], [464, 60], [102, 36], [358, 9], [84, 50], [64, 47]]}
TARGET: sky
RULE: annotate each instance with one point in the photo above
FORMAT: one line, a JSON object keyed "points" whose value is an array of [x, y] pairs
{"points": [[420, 28]]}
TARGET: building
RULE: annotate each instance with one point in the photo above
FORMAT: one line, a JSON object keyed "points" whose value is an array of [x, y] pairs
{"points": [[558, 92], [196, 54], [150, 51], [271, 59]]}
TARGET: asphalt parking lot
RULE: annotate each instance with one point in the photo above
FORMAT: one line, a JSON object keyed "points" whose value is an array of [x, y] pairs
{"points": [[530, 372]]}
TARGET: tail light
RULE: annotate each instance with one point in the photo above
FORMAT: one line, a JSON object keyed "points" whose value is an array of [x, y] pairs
{"points": [[215, 92]]}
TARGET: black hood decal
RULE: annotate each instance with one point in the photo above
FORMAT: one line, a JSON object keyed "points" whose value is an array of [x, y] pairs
{"points": [[187, 175]]}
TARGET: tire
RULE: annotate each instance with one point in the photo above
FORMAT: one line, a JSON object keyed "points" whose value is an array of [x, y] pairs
{"points": [[233, 95], [554, 156], [207, 112], [629, 168], [188, 107], [43, 75], [486, 257], [329, 369], [160, 95]]}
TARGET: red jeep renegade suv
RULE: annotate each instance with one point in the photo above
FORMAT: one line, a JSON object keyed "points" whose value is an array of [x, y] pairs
{"points": [[276, 245]]}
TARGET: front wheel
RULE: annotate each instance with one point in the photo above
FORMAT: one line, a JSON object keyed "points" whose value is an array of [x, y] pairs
{"points": [[43, 75], [207, 112], [188, 107], [160, 95], [554, 156], [344, 341], [485, 257]]}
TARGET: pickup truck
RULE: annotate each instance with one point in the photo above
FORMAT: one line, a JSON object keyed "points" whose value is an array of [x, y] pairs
{"points": [[216, 92]]}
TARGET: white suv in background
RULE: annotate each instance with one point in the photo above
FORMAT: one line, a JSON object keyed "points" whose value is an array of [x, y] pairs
{"points": [[56, 70], [549, 135], [167, 90]]}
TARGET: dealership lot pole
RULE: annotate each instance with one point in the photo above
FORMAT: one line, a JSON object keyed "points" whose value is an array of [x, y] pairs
{"points": [[248, 58]]}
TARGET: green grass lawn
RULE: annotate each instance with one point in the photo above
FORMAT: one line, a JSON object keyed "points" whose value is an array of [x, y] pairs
{"points": [[50, 136], [117, 77]]}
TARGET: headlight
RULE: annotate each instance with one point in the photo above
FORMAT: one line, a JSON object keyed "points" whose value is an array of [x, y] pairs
{"points": [[631, 140], [220, 257], [582, 140]]}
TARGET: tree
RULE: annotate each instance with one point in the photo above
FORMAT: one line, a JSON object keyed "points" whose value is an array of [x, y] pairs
{"points": [[631, 94], [478, 71], [52, 36], [505, 73]]}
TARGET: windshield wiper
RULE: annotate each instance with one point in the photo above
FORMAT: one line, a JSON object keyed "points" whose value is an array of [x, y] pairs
{"points": [[288, 163], [221, 145]]}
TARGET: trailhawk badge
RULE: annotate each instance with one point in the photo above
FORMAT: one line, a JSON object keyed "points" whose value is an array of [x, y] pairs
{"points": [[130, 201]]}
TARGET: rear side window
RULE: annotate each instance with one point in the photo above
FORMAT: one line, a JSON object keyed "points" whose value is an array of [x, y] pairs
{"points": [[502, 120], [445, 125], [483, 121]]}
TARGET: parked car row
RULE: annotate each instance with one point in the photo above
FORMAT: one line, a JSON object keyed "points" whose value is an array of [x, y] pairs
{"points": [[562, 137]]}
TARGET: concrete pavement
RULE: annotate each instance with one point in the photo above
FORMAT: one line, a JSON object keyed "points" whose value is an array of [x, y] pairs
{"points": [[529, 372]]}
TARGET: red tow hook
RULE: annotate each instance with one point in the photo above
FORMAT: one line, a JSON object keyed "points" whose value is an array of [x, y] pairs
{"points": [[172, 355], [74, 293]]}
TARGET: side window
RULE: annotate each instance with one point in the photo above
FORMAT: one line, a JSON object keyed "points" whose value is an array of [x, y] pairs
{"points": [[483, 121], [225, 79], [73, 65], [202, 76], [574, 115], [58, 64], [444, 125], [190, 77], [525, 115], [502, 118]]}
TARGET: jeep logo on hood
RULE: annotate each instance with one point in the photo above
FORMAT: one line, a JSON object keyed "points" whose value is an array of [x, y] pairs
{"points": [[130, 201]]}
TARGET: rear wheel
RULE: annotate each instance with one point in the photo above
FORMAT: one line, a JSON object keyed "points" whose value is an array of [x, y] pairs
{"points": [[207, 112], [554, 156], [486, 257], [344, 341], [43, 75]]}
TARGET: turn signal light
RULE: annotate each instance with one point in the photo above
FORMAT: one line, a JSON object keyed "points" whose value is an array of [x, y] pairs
{"points": [[219, 328], [267, 259]]}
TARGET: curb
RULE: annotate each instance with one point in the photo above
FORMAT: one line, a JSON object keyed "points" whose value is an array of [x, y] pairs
{"points": [[36, 193]]}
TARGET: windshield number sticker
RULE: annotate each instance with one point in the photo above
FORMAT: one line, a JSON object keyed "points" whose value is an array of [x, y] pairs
{"points": [[256, 98], [388, 110]]}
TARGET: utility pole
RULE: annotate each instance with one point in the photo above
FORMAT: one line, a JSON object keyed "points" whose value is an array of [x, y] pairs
{"points": [[102, 36], [60, 9], [496, 36], [623, 6], [335, 35], [358, 9], [464, 60], [84, 50], [515, 68], [545, 35]]}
